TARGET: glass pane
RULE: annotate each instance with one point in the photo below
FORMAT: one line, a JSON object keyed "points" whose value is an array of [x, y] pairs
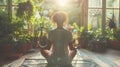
{"points": [[14, 9], [95, 3], [2, 8], [112, 3], [15, 2], [110, 13], [74, 16], [3, 2], [95, 18]]}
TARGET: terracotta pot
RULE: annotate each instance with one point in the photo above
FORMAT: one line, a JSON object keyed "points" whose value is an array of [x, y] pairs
{"points": [[115, 44], [29, 46], [23, 48], [7, 48]]}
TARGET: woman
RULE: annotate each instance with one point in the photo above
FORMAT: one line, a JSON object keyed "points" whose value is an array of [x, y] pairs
{"points": [[61, 43]]}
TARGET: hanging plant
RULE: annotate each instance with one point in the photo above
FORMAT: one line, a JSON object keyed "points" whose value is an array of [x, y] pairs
{"points": [[25, 10]]}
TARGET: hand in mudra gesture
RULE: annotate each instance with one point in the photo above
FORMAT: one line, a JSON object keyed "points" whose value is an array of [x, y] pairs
{"points": [[43, 42]]}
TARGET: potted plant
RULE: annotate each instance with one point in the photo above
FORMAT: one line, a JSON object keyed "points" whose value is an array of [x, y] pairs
{"points": [[25, 10], [114, 34], [6, 32], [84, 36], [99, 42], [115, 41], [24, 43], [26, 13], [7, 39]]}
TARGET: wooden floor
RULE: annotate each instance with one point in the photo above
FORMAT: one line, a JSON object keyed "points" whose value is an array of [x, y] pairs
{"points": [[109, 59], [84, 58]]}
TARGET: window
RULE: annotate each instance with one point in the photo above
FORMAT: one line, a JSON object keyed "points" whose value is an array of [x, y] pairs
{"points": [[3, 5], [112, 10], [96, 8], [95, 13], [3, 2]]}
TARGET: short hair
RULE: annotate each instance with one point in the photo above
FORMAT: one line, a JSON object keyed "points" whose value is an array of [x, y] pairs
{"points": [[60, 17]]}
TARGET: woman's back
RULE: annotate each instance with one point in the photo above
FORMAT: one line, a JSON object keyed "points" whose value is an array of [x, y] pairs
{"points": [[61, 39]]}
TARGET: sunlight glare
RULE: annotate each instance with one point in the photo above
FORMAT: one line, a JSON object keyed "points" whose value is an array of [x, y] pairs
{"points": [[62, 2]]}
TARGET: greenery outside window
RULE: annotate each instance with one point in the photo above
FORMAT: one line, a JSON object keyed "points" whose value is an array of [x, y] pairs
{"points": [[95, 13], [112, 10], [3, 2]]}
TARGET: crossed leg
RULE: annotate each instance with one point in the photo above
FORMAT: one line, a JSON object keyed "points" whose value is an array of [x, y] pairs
{"points": [[47, 54]]}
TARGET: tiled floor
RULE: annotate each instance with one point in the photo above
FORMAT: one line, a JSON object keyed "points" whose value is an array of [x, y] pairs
{"points": [[84, 58]]}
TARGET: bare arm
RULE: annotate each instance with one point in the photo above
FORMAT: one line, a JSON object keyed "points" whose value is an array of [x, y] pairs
{"points": [[49, 45], [71, 45], [45, 43], [49, 40]]}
